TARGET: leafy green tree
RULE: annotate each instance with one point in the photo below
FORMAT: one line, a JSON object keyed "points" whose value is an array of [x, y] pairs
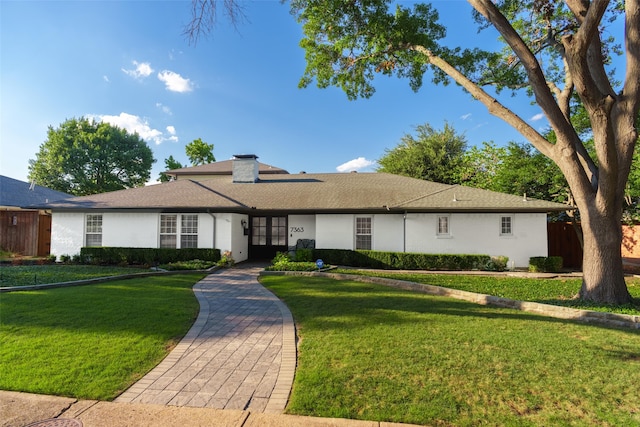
{"points": [[199, 152], [169, 164], [83, 157], [556, 51], [431, 155], [517, 168]]}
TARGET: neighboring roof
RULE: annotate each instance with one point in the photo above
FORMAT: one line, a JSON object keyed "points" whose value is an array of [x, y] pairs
{"points": [[22, 194], [307, 193], [224, 167]]}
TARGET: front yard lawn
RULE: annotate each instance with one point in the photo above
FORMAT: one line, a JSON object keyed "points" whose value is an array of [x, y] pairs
{"points": [[560, 291], [377, 353], [25, 275], [92, 342]]}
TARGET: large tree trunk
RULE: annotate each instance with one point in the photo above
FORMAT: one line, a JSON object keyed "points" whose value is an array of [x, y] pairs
{"points": [[603, 276]]}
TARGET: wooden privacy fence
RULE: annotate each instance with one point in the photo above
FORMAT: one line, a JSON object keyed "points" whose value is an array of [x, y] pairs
{"points": [[563, 241], [25, 232]]}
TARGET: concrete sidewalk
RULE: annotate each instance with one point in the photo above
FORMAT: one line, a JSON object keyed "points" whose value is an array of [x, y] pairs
{"points": [[21, 409]]}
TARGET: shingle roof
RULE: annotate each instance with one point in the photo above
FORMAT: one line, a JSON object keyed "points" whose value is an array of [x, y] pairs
{"points": [[331, 192], [224, 167], [21, 194]]}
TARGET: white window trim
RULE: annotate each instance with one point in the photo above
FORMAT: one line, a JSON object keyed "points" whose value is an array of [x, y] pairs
{"points": [[355, 231], [511, 234], [446, 235], [197, 226], [178, 234], [86, 229]]}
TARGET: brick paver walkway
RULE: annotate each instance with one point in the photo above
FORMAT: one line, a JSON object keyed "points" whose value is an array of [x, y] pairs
{"points": [[239, 354]]}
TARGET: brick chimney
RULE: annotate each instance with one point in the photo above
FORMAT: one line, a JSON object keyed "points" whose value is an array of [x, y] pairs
{"points": [[245, 168]]}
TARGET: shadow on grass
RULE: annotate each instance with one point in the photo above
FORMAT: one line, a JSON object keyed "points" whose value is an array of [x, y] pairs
{"points": [[354, 304], [141, 306]]}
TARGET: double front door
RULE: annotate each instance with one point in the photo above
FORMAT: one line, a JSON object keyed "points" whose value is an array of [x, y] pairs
{"points": [[268, 235]]}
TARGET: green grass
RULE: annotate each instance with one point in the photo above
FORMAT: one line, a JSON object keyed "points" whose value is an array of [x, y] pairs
{"points": [[25, 275], [378, 353], [549, 291], [92, 342]]}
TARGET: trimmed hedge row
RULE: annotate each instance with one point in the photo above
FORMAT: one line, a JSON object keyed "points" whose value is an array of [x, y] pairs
{"points": [[145, 256], [544, 264], [408, 261]]}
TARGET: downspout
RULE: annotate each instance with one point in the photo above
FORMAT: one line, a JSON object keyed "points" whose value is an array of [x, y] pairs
{"points": [[214, 227], [404, 232]]}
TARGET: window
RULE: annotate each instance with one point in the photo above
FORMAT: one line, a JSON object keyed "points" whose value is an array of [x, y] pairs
{"points": [[259, 231], [168, 231], [189, 231], [269, 231], [443, 225], [278, 231], [93, 230], [506, 226], [363, 233]]}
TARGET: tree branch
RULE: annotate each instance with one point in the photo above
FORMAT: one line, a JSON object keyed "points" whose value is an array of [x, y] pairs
{"points": [[494, 107], [542, 93]]}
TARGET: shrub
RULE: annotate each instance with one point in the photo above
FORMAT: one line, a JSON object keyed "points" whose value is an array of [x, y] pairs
{"points": [[304, 255], [194, 264], [293, 266], [541, 264], [497, 263], [65, 258], [404, 260], [226, 260], [145, 256]]}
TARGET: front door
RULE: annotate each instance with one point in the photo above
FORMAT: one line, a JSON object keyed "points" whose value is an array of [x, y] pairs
{"points": [[268, 236]]}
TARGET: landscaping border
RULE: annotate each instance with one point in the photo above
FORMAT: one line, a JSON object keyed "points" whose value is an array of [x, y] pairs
{"points": [[100, 280], [585, 316]]}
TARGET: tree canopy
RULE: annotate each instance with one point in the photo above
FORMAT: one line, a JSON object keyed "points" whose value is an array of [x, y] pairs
{"points": [[169, 164], [83, 157], [432, 155], [199, 152]]}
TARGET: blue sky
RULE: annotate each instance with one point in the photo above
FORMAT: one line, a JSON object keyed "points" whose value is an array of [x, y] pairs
{"points": [[127, 62]]}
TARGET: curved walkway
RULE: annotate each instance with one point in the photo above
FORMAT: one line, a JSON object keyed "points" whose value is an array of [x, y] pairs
{"points": [[239, 354]]}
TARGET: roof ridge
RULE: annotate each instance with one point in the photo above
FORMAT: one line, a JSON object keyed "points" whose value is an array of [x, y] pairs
{"points": [[199, 184], [424, 196]]}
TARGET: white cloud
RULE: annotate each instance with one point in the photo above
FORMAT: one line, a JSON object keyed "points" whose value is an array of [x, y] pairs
{"points": [[142, 70], [537, 117], [175, 82], [355, 164], [106, 79], [465, 116], [164, 109], [136, 124]]}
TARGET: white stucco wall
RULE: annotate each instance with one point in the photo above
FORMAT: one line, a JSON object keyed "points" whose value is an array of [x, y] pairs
{"points": [[67, 233], [387, 233], [130, 229], [238, 242], [469, 234], [125, 229], [335, 231], [301, 227], [480, 234]]}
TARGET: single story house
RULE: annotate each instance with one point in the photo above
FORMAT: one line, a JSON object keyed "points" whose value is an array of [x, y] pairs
{"points": [[25, 231], [254, 210]]}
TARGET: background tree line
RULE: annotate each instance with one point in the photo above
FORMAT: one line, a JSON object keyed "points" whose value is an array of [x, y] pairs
{"points": [[515, 168]]}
